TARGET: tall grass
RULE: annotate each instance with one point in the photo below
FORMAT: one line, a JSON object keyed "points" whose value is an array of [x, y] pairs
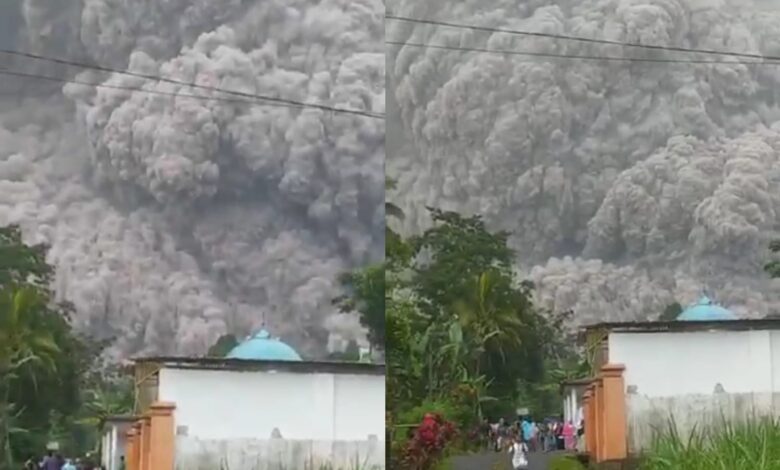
{"points": [[750, 445]]}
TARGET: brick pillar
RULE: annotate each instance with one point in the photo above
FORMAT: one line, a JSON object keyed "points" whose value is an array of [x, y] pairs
{"points": [[587, 405], [139, 444], [163, 438], [600, 434], [615, 446], [143, 459], [130, 450]]}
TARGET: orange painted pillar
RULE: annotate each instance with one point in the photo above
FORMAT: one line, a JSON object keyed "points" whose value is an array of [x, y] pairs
{"points": [[130, 450], [600, 432], [594, 421], [145, 443], [138, 447], [615, 445], [595, 428], [163, 436], [587, 408]]}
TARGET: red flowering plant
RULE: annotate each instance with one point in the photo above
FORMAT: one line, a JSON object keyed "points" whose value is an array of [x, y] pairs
{"points": [[428, 442]]}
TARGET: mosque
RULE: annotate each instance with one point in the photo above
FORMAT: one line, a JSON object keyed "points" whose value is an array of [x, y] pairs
{"points": [[263, 406], [705, 366]]}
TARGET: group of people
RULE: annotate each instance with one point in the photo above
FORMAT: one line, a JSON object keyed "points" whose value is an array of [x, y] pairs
{"points": [[546, 436], [55, 461]]}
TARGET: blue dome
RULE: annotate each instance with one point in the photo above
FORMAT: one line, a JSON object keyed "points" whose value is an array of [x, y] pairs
{"points": [[264, 348], [705, 310]]}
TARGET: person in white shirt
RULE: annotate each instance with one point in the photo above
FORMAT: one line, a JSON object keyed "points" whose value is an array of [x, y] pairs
{"points": [[519, 451]]}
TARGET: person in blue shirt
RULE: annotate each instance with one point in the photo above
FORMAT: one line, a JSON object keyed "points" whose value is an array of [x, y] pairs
{"points": [[528, 429]]}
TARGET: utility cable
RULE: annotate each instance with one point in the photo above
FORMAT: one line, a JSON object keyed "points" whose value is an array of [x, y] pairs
{"points": [[568, 56], [128, 88], [193, 85], [579, 39]]}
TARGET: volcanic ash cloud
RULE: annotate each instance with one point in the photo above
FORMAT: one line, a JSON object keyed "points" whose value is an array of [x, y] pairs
{"points": [[173, 220], [655, 170]]}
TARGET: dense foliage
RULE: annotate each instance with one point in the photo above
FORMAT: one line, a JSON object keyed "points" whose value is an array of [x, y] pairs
{"points": [[463, 337], [50, 388]]}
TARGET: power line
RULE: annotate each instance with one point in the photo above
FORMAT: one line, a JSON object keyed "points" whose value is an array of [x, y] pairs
{"points": [[128, 88], [193, 85], [580, 39], [568, 56]]}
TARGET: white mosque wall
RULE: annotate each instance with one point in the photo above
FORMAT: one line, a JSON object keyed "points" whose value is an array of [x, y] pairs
{"points": [[257, 420], [113, 444], [696, 378]]}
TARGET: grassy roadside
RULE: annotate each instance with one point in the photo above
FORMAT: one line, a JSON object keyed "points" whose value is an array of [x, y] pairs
{"points": [[752, 445]]}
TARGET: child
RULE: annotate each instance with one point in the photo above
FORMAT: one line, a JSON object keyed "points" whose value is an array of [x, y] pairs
{"points": [[519, 451]]}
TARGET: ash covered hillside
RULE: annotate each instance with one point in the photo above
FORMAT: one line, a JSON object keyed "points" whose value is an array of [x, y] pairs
{"points": [[173, 220], [626, 185]]}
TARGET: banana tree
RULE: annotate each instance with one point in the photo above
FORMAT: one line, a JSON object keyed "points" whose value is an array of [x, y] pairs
{"points": [[103, 402]]}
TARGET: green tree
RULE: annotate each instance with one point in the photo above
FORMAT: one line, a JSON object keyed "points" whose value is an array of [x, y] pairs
{"points": [[350, 354], [25, 350], [398, 253], [671, 312], [459, 249], [47, 362], [22, 264], [773, 266], [489, 316], [366, 295], [223, 346], [105, 399]]}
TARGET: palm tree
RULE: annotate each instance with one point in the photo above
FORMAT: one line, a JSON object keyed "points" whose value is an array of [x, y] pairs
{"points": [[24, 346], [491, 323]]}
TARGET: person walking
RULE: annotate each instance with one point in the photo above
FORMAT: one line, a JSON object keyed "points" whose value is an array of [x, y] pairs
{"points": [[519, 451], [559, 442], [51, 462], [68, 465], [568, 435]]}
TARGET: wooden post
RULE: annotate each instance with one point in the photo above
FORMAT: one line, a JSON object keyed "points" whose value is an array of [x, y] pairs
{"points": [[163, 436]]}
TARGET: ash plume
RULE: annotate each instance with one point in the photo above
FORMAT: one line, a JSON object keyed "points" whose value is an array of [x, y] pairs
{"points": [[626, 186], [174, 220]]}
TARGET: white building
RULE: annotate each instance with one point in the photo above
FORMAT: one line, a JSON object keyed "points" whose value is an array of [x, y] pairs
{"points": [[573, 392], [114, 441], [260, 408], [690, 373]]}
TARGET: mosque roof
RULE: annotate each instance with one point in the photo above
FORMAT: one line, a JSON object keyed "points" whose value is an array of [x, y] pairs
{"points": [[262, 347], [705, 310]]}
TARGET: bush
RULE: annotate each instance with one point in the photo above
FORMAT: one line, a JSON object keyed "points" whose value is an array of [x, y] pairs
{"points": [[461, 415], [752, 445], [428, 444]]}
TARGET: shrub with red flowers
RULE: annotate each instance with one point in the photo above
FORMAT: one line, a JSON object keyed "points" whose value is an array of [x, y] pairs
{"points": [[428, 443]]}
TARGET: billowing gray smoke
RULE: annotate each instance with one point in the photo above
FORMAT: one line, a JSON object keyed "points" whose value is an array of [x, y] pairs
{"points": [[174, 220], [626, 186]]}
